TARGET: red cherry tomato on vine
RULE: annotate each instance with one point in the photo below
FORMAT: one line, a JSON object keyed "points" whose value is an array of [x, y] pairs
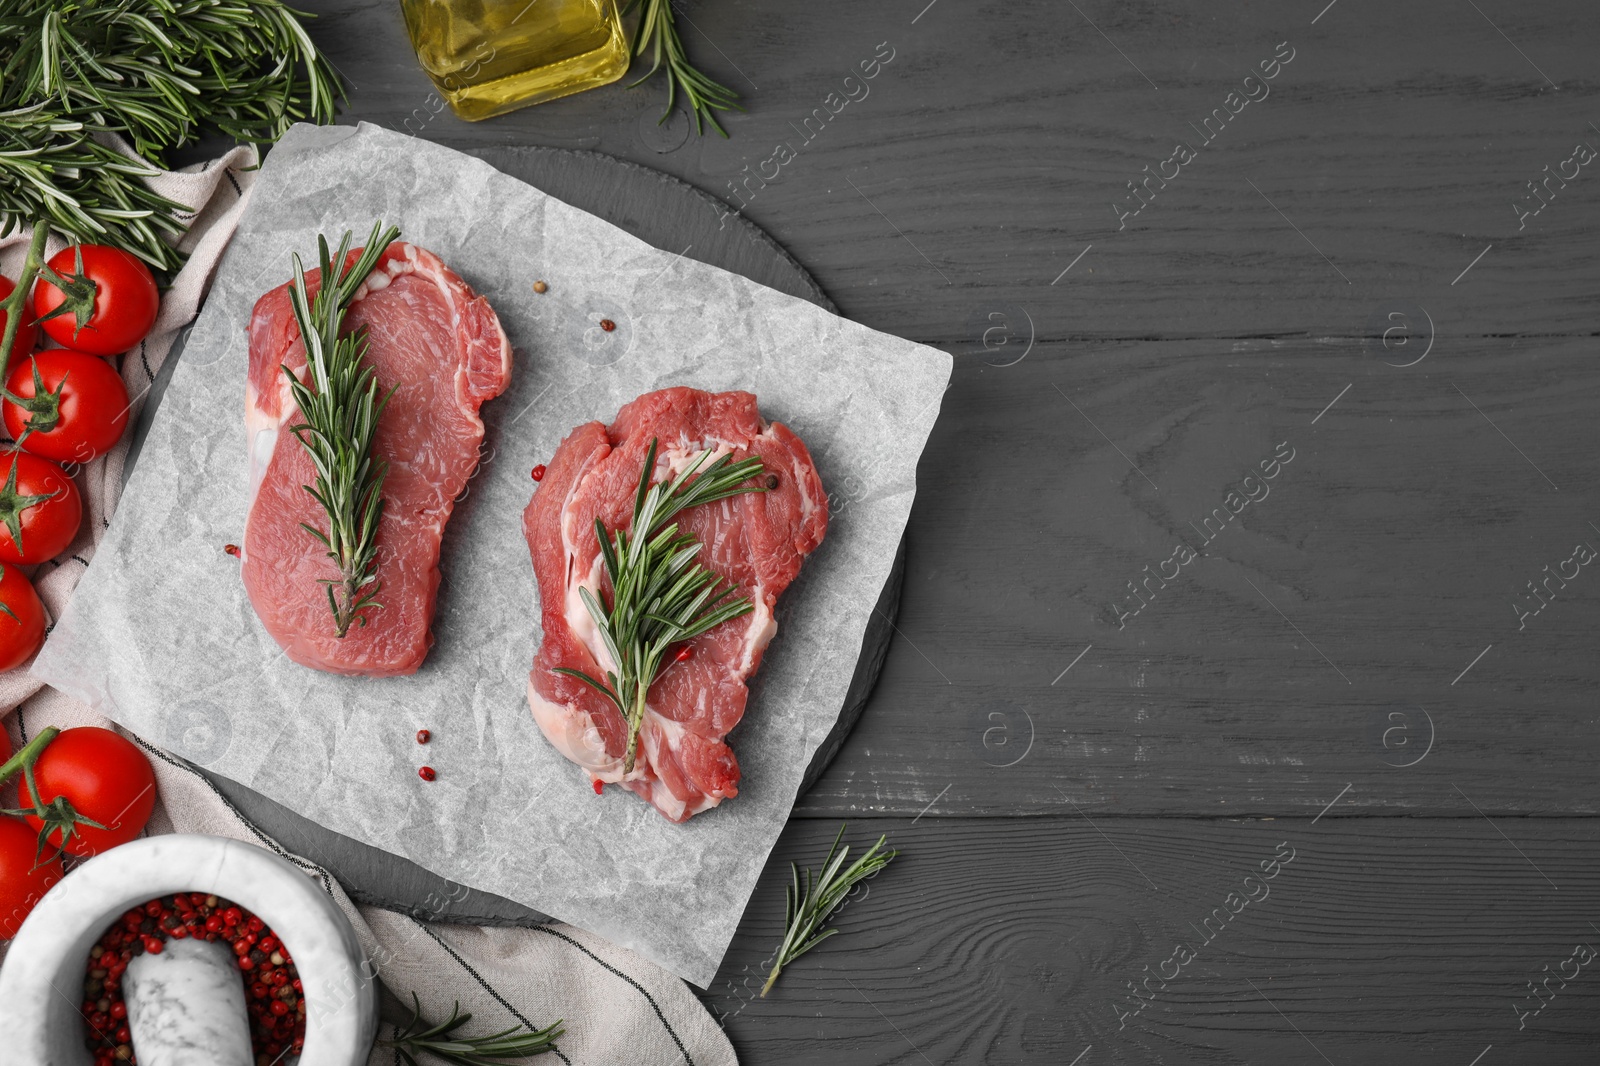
{"points": [[112, 301], [21, 619], [76, 404], [105, 777], [22, 884], [28, 332], [40, 509]]}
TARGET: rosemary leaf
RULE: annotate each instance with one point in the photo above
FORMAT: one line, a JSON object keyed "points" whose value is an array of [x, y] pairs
{"points": [[339, 405], [658, 31], [807, 909], [158, 73], [518, 1042], [660, 595]]}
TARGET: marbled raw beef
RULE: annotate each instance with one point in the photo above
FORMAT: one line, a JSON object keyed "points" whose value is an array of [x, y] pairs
{"points": [[756, 541], [441, 347]]}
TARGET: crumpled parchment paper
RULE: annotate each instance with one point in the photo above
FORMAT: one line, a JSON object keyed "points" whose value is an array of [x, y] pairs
{"points": [[161, 637]]}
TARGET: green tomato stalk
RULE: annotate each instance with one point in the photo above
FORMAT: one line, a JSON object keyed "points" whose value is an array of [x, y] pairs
{"points": [[16, 304], [58, 815]]}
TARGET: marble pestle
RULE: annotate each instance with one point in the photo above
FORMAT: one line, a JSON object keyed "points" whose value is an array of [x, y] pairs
{"points": [[186, 1006]]}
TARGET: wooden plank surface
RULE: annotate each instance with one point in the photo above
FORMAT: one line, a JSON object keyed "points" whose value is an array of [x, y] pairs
{"points": [[1382, 941], [1369, 573], [1353, 635], [1209, 329]]}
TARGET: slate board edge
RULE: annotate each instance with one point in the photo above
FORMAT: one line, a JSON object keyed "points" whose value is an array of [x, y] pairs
{"points": [[503, 158], [360, 868]]}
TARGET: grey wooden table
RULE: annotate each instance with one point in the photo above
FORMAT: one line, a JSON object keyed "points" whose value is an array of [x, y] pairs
{"points": [[1187, 763]]}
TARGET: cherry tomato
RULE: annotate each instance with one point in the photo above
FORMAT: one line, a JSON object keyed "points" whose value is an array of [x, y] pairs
{"points": [[121, 307], [105, 777], [40, 509], [77, 404], [21, 619], [27, 333], [22, 884]]}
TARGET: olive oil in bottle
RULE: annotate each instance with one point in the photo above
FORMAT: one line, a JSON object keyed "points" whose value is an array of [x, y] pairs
{"points": [[487, 57]]}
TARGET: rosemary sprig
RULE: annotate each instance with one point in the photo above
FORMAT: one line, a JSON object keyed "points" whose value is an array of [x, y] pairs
{"points": [[658, 31], [518, 1042], [659, 594], [805, 911], [156, 72], [340, 405]]}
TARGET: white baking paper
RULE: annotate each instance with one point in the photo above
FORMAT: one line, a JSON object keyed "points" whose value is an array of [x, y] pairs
{"points": [[161, 637]]}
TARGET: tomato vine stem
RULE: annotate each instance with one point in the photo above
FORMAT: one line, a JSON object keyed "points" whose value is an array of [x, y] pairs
{"points": [[57, 816], [27, 755], [16, 304]]}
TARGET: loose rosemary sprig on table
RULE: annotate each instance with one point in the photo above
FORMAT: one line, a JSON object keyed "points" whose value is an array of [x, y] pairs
{"points": [[659, 594], [340, 405], [518, 1042], [658, 30], [807, 910], [156, 72]]}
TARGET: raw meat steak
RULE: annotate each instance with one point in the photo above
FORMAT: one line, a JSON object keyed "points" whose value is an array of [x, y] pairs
{"points": [[441, 348], [756, 541]]}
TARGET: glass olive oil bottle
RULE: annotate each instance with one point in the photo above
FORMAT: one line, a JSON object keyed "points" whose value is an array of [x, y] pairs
{"points": [[487, 57]]}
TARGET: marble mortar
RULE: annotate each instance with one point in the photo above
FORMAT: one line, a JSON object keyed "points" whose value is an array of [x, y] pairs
{"points": [[42, 979]]}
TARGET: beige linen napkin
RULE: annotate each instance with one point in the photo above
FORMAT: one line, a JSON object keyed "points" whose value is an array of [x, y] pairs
{"points": [[615, 1006]]}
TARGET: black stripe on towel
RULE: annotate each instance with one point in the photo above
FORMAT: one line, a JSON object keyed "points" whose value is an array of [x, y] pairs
{"points": [[487, 987], [267, 842], [688, 1060]]}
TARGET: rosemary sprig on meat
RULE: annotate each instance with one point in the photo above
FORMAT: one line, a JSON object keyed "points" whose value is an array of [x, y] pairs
{"points": [[156, 72], [658, 30], [805, 911], [660, 595], [340, 405]]}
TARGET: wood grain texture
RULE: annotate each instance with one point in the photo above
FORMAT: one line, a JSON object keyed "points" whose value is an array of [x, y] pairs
{"points": [[1378, 564], [1001, 134], [1353, 628], [1218, 322], [1382, 941]]}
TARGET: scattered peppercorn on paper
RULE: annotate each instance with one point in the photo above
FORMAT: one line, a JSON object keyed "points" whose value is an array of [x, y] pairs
{"points": [[161, 637]]}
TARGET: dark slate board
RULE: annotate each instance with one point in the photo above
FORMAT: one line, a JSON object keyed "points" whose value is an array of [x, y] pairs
{"points": [[670, 215]]}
